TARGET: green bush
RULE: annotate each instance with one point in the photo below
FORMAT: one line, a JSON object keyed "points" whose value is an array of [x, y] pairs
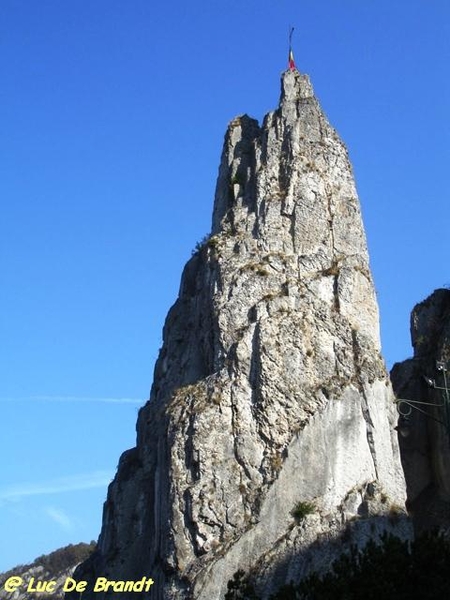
{"points": [[302, 509]]}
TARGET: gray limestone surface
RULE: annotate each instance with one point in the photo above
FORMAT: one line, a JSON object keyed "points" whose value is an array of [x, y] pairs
{"points": [[425, 427], [270, 393]]}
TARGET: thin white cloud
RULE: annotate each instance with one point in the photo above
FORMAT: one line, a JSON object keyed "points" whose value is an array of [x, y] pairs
{"points": [[60, 485], [60, 517], [72, 399]]}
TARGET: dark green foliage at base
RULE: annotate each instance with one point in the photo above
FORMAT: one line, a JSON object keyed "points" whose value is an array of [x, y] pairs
{"points": [[391, 570]]}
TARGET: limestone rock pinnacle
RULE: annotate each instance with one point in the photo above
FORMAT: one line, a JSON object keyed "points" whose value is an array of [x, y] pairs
{"points": [[269, 390]]}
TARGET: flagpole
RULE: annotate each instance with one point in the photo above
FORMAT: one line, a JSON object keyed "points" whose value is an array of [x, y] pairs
{"points": [[291, 62]]}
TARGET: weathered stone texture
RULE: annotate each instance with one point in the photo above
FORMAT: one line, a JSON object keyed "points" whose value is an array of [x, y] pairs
{"points": [[425, 444], [269, 388]]}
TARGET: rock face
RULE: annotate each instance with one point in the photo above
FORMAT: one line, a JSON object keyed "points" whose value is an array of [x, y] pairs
{"points": [[269, 392], [424, 443]]}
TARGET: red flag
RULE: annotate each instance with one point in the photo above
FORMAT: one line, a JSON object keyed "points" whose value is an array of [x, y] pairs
{"points": [[292, 66], [291, 61]]}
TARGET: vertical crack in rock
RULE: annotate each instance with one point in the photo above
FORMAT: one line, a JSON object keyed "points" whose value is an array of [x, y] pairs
{"points": [[269, 389], [357, 359], [369, 431]]}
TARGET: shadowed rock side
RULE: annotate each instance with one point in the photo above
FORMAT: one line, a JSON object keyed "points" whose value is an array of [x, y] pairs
{"points": [[269, 390], [425, 445]]}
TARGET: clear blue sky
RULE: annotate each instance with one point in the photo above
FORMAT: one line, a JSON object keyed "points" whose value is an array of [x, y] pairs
{"points": [[112, 118]]}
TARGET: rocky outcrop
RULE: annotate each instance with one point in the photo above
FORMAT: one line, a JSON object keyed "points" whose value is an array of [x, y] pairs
{"points": [[267, 440], [424, 423], [53, 570]]}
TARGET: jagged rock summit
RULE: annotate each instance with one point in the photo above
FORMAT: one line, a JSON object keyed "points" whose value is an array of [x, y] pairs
{"points": [[268, 434]]}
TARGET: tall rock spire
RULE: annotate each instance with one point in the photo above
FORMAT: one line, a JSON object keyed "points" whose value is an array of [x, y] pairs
{"points": [[269, 392]]}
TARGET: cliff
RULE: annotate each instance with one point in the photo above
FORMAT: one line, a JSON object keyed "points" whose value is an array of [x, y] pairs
{"points": [[424, 424], [267, 441]]}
